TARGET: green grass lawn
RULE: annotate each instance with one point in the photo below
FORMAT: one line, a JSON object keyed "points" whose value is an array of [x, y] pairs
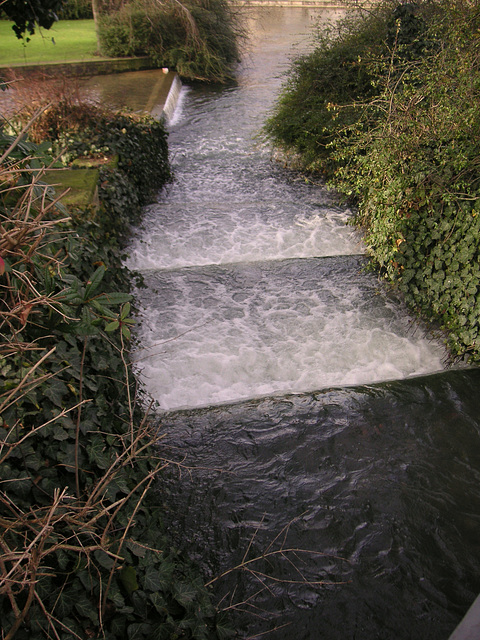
{"points": [[66, 41]]}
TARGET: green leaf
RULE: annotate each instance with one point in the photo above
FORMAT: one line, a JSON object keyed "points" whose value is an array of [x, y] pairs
{"points": [[65, 603], [103, 559], [185, 593], [128, 577], [125, 311], [136, 549], [223, 629], [138, 630], [115, 596], [72, 297], [117, 626], [153, 581], [112, 326], [113, 298], [96, 452], [102, 309], [158, 602], [94, 282], [60, 434], [86, 608]]}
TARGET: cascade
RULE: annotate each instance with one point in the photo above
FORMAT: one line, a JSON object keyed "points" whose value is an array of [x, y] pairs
{"points": [[310, 411]]}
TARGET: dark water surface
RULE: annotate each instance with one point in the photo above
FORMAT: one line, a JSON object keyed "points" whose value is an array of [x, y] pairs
{"points": [[385, 476], [314, 421]]}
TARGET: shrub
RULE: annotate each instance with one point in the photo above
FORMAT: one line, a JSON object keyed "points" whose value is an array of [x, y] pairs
{"points": [[76, 10], [418, 186], [393, 120], [197, 39], [329, 90], [319, 98]]}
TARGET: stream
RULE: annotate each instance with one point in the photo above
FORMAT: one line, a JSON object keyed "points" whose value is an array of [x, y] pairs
{"points": [[320, 443]]}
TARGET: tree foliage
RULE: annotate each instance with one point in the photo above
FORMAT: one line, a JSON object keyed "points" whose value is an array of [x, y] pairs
{"points": [[26, 16], [197, 38]]}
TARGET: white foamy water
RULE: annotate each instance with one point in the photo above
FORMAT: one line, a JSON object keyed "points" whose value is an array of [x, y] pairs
{"points": [[254, 280], [219, 334], [211, 233]]}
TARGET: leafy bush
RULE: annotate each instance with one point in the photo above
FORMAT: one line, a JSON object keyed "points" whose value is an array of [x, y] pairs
{"points": [[417, 182], [329, 90], [404, 146], [319, 98], [76, 10], [197, 38], [82, 553]]}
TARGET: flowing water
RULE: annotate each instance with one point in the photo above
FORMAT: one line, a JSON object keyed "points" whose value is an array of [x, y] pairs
{"points": [[311, 411]]}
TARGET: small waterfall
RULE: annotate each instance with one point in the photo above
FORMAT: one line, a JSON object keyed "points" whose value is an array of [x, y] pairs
{"points": [[172, 98], [255, 280], [259, 321]]}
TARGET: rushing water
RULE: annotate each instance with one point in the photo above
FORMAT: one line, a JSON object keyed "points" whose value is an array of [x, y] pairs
{"points": [[311, 411]]}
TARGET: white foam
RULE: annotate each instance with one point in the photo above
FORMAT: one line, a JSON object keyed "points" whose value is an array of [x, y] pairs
{"points": [[242, 298], [214, 234], [253, 330]]}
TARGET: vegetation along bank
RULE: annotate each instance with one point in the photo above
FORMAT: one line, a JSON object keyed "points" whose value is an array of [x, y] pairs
{"points": [[197, 38], [387, 108], [82, 551]]}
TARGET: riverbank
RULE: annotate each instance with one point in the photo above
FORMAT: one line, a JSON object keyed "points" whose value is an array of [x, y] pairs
{"points": [[77, 450], [370, 131]]}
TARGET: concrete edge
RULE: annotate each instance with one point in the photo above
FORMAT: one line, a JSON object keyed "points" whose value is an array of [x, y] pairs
{"points": [[469, 627], [80, 67]]}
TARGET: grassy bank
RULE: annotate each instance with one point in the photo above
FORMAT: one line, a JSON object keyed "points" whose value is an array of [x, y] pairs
{"points": [[66, 41], [197, 38]]}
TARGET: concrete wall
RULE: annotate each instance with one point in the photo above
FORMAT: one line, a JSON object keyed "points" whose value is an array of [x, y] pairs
{"points": [[325, 4], [94, 67]]}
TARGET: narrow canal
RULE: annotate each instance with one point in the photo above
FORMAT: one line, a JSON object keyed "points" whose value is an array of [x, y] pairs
{"points": [[323, 445]]}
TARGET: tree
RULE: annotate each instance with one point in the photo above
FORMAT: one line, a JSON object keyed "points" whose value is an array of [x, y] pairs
{"points": [[27, 15]]}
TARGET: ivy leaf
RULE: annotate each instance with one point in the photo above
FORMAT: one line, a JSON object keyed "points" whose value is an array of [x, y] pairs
{"points": [[158, 602], [96, 452], [224, 630], [134, 547], [128, 576], [60, 434], [153, 581], [118, 626], [138, 630], [185, 593], [65, 603], [86, 608], [103, 559], [116, 597]]}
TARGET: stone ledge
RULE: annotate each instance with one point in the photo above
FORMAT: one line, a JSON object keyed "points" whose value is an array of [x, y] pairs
{"points": [[81, 68]]}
